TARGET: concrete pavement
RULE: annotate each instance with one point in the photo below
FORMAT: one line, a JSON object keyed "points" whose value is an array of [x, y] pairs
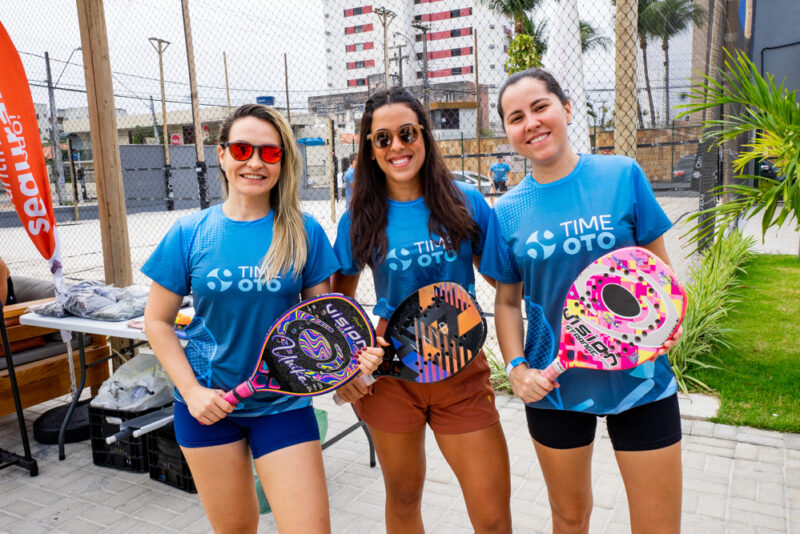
{"points": [[736, 480]]}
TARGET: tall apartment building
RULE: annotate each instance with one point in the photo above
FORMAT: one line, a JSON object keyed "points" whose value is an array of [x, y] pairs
{"points": [[354, 46]]}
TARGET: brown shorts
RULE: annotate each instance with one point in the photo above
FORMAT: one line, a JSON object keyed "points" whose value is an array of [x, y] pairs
{"points": [[463, 403]]}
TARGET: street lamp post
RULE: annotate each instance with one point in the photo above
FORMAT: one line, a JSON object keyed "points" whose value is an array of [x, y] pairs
{"points": [[160, 46], [425, 89], [385, 16]]}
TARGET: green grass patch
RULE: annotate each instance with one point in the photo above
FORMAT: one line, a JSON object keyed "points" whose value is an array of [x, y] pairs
{"points": [[759, 385]]}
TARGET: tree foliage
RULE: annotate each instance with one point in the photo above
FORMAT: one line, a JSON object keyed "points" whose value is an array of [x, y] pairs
{"points": [[522, 54], [771, 115]]}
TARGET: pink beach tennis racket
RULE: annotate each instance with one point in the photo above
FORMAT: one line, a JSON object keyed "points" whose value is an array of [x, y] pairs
{"points": [[618, 313], [309, 350]]}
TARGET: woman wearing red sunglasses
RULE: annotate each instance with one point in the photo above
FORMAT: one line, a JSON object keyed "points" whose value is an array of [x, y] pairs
{"points": [[245, 261], [413, 225]]}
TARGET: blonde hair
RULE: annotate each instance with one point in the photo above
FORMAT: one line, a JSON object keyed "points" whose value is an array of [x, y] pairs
{"points": [[289, 248]]}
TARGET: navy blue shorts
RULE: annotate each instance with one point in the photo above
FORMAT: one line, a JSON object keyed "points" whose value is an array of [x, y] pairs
{"points": [[644, 428], [265, 434]]}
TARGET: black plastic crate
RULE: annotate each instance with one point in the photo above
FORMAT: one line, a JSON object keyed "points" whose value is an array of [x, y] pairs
{"points": [[167, 463], [126, 454]]}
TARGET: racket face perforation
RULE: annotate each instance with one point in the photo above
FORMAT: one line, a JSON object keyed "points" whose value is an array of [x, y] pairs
{"points": [[620, 311], [435, 332], [309, 349]]}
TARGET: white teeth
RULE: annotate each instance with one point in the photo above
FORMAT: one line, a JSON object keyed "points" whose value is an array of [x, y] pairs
{"points": [[400, 161], [539, 138], [253, 176]]}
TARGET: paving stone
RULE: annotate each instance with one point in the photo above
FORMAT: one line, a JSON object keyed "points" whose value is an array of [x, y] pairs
{"points": [[726, 432]]}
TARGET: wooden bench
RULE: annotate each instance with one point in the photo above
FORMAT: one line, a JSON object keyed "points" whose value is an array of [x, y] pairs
{"points": [[41, 363]]}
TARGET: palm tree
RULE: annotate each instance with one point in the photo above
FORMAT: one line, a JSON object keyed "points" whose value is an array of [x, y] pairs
{"points": [[772, 112], [645, 27], [516, 9], [591, 38], [538, 31], [669, 18]]}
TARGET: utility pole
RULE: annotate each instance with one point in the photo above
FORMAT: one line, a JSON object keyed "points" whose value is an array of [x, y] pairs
{"points": [[477, 106], [162, 46], [155, 123], [55, 143], [425, 91], [399, 57], [227, 88], [105, 146], [198, 130], [385, 16], [286, 84]]}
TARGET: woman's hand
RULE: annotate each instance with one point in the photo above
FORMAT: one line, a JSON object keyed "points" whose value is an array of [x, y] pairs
{"points": [[368, 361], [207, 405], [371, 357], [529, 384], [671, 342]]}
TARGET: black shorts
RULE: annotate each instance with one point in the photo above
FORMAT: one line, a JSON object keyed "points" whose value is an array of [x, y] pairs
{"points": [[644, 428], [500, 187]]}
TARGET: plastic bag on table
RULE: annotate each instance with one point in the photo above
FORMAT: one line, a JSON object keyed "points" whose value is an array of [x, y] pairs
{"points": [[138, 384]]}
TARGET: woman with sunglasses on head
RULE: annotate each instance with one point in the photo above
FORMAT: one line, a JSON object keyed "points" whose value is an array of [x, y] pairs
{"points": [[413, 225], [572, 209], [245, 261]]}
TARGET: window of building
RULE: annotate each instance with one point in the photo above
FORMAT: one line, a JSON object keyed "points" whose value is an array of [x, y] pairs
{"points": [[360, 64], [356, 82], [445, 119], [363, 28], [446, 34], [443, 15], [358, 47], [357, 11]]}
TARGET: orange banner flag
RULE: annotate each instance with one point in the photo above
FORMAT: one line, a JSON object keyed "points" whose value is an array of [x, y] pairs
{"points": [[23, 172]]}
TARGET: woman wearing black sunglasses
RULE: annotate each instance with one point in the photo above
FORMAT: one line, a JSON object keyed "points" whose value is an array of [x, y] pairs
{"points": [[413, 225], [245, 261]]}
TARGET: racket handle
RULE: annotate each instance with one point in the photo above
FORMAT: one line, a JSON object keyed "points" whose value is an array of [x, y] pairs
{"points": [[239, 393], [368, 380], [552, 371]]}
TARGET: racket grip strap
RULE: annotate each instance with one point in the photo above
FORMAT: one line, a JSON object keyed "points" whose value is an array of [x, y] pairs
{"points": [[552, 371], [239, 393], [367, 380]]}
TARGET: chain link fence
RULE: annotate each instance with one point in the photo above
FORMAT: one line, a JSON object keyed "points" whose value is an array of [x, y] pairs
{"points": [[317, 62]]}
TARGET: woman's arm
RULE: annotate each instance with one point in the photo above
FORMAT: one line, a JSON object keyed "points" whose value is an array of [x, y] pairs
{"points": [[205, 405], [4, 274], [369, 358], [659, 248], [528, 384], [476, 261], [345, 284]]}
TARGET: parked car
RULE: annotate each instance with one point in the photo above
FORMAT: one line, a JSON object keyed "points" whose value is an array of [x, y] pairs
{"points": [[684, 169], [767, 169], [471, 177]]}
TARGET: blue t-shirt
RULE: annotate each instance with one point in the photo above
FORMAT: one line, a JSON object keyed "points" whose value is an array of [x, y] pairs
{"points": [[348, 183], [500, 171], [217, 260], [544, 235], [415, 258]]}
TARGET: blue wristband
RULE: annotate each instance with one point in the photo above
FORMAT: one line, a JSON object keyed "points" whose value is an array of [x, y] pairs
{"points": [[515, 362]]}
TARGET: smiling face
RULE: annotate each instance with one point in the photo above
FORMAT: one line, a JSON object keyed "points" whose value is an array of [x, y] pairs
{"points": [[535, 122], [400, 163], [251, 179]]}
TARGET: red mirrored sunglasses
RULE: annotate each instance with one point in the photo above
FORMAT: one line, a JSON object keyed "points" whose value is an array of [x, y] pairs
{"points": [[241, 151]]}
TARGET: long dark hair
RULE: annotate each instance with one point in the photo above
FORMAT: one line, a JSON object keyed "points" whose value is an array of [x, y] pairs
{"points": [[369, 208]]}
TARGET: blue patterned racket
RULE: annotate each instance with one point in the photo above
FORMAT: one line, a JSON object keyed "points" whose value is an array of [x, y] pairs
{"points": [[309, 350]]}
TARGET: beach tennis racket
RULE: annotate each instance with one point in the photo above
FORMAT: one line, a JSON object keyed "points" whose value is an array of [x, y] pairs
{"points": [[309, 349], [433, 334], [618, 313]]}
